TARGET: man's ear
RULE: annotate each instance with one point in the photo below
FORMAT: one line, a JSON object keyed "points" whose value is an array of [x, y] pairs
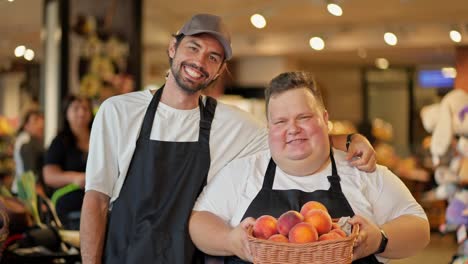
{"points": [[222, 68], [172, 48], [325, 116]]}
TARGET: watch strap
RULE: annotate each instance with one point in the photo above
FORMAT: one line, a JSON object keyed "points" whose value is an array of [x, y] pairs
{"points": [[383, 242]]}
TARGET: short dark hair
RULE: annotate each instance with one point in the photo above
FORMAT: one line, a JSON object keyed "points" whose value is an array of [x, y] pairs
{"points": [[28, 115], [178, 39], [293, 80]]}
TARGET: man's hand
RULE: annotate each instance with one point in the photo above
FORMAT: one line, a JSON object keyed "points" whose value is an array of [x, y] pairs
{"points": [[368, 239], [238, 242], [361, 154]]}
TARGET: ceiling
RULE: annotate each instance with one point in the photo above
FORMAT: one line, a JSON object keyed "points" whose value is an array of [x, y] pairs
{"points": [[422, 27]]}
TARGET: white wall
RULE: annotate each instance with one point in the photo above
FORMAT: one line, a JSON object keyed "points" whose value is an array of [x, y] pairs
{"points": [[10, 94]]}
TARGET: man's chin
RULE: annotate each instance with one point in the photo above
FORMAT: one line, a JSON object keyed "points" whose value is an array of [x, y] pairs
{"points": [[190, 88], [297, 156]]}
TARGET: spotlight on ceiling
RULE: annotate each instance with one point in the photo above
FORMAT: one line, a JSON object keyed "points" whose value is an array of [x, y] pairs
{"points": [[19, 51], [258, 21], [455, 35], [390, 38], [29, 54], [382, 63], [317, 43], [335, 9]]}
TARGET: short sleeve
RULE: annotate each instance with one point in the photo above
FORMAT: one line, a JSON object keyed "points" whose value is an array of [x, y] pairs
{"points": [[55, 154], [221, 195], [391, 197], [102, 168]]}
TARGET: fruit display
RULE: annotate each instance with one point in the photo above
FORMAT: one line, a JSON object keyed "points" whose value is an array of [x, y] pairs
{"points": [[312, 223]]}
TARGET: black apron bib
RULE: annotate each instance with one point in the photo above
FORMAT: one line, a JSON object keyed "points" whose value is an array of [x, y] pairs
{"points": [[276, 202], [149, 221]]}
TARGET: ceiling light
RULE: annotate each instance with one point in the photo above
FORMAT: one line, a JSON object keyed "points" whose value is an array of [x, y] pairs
{"points": [[334, 9], [449, 72], [11, 1], [19, 51], [382, 63], [317, 43], [390, 38], [258, 21], [455, 35], [29, 54]]}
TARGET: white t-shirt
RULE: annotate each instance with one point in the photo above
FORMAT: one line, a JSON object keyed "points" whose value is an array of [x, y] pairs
{"points": [[116, 127], [21, 139], [379, 196]]}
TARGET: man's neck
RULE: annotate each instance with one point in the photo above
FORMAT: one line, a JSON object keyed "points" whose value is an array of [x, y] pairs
{"points": [[177, 98], [304, 167]]}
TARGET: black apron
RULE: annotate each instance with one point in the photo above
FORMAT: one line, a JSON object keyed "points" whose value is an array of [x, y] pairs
{"points": [[276, 202], [149, 221]]}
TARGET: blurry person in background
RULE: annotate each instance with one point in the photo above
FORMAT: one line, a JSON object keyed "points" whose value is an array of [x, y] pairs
{"points": [[65, 160], [29, 150]]}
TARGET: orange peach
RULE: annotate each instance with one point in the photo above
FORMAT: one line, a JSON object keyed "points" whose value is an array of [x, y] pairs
{"points": [[339, 232], [265, 226], [287, 220], [279, 238], [303, 233], [320, 219], [335, 226], [312, 205], [329, 236]]}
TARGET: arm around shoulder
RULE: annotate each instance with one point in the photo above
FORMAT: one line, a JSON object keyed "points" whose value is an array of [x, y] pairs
{"points": [[93, 226]]}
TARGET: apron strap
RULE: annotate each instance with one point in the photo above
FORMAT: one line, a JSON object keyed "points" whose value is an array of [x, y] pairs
{"points": [[334, 179], [149, 115], [269, 175], [206, 118]]}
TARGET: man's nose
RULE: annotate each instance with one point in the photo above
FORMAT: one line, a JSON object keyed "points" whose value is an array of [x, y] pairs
{"points": [[201, 60], [293, 128]]}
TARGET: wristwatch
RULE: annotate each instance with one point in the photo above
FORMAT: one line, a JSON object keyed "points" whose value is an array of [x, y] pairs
{"points": [[383, 242], [348, 140]]}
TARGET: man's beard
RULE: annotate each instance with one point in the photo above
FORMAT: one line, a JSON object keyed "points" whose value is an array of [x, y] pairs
{"points": [[190, 89]]}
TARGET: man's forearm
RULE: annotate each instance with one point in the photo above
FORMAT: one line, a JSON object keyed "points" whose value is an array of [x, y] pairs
{"points": [[203, 223], [407, 235], [93, 226]]}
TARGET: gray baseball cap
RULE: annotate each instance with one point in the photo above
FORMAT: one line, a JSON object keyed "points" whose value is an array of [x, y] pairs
{"points": [[210, 24]]}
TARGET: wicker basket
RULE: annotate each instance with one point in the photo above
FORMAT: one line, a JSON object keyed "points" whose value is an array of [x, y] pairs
{"points": [[328, 251]]}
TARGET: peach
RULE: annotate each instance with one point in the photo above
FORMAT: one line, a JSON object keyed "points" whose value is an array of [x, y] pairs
{"points": [[312, 205], [320, 219], [339, 232], [329, 236], [265, 226], [279, 238], [287, 220], [303, 233], [335, 226]]}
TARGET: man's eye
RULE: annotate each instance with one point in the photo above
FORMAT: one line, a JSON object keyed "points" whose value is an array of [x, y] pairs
{"points": [[214, 59]]}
